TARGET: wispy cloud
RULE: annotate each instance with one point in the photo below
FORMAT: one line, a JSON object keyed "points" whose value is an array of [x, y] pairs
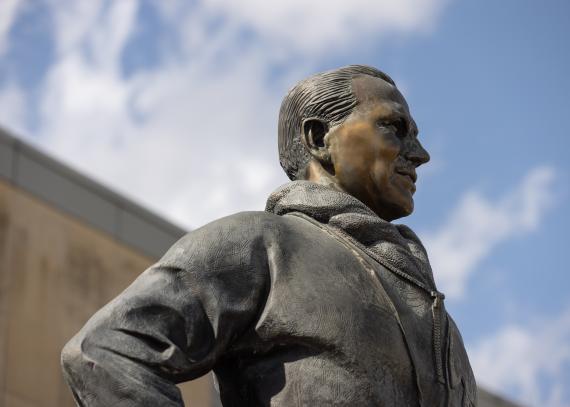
{"points": [[529, 363], [13, 107], [8, 13], [316, 26], [477, 225], [194, 135]]}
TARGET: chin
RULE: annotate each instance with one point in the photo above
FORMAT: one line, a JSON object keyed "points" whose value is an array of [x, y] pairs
{"points": [[392, 206], [401, 210], [407, 211]]}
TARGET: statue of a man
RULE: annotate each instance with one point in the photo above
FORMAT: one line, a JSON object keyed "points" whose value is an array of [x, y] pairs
{"points": [[318, 301]]}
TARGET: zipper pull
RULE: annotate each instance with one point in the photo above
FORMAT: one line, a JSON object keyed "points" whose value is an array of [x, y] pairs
{"points": [[437, 298]]}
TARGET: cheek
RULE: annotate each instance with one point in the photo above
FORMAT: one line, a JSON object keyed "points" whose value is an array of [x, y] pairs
{"points": [[381, 176], [352, 171], [389, 149], [366, 156], [385, 159], [353, 159]]}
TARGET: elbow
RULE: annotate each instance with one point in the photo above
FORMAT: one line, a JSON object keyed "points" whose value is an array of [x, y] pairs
{"points": [[78, 371], [73, 361], [70, 355]]}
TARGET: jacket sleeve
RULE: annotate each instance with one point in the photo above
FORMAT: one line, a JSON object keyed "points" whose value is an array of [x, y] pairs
{"points": [[174, 322]]}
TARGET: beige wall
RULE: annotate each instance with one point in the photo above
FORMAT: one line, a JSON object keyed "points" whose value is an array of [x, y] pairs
{"points": [[55, 272]]}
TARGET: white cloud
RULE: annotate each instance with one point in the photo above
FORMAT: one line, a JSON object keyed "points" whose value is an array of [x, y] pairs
{"points": [[188, 147], [193, 136], [12, 107], [75, 22], [9, 10], [476, 226], [528, 363], [319, 25]]}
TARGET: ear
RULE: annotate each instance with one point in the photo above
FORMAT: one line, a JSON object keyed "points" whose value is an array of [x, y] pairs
{"points": [[313, 135]]}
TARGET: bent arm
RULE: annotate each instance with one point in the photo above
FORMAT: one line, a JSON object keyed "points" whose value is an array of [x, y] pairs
{"points": [[172, 324]]}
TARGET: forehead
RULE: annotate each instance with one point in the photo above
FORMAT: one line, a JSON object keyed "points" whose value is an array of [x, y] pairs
{"points": [[371, 91]]}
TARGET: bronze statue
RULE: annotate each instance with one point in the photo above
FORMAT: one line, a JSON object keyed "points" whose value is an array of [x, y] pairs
{"points": [[318, 301]]}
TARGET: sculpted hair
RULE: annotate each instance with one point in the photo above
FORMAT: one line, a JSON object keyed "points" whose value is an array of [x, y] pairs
{"points": [[327, 96]]}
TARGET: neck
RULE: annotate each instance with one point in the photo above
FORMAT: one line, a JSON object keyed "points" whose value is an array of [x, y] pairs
{"points": [[315, 172]]}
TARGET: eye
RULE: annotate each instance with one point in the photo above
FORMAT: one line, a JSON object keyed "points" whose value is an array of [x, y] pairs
{"points": [[399, 127]]}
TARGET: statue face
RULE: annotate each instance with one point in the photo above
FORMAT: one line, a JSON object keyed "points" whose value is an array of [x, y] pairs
{"points": [[375, 152]]}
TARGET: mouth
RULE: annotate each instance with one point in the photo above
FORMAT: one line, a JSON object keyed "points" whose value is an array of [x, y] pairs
{"points": [[408, 172]]}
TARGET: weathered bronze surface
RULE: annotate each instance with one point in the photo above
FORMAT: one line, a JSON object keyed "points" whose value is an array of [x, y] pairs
{"points": [[374, 153], [320, 300]]}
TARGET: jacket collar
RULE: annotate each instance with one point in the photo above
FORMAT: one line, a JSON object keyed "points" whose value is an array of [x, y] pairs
{"points": [[396, 245]]}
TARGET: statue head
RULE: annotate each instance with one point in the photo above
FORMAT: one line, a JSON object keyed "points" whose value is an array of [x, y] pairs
{"points": [[351, 128]]}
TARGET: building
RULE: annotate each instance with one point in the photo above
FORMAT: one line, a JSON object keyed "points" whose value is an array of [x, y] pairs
{"points": [[67, 246]]}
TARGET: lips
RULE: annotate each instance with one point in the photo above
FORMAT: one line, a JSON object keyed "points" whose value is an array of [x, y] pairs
{"points": [[409, 173]]}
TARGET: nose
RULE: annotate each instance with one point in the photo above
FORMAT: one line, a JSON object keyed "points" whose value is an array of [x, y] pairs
{"points": [[417, 154]]}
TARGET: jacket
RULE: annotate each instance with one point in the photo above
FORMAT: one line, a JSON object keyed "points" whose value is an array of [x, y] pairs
{"points": [[315, 302]]}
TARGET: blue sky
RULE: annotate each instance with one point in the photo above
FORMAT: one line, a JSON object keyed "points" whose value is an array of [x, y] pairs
{"points": [[175, 104]]}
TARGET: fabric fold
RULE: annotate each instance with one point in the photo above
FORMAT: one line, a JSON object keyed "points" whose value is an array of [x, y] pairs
{"points": [[397, 245]]}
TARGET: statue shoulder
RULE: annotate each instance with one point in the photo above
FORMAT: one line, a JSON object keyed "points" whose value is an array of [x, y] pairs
{"points": [[235, 237]]}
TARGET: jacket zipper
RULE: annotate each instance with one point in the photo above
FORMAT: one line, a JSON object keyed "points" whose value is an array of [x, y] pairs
{"points": [[438, 297]]}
